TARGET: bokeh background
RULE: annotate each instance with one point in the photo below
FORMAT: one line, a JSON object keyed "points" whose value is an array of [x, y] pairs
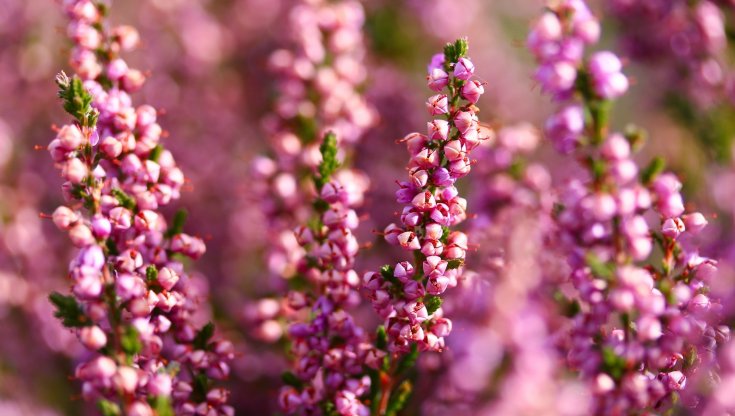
{"points": [[207, 60]]}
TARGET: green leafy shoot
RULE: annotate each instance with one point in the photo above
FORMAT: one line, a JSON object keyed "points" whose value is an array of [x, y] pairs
{"points": [[77, 100], [651, 172], [432, 303], [329, 162], [455, 50], [69, 311]]}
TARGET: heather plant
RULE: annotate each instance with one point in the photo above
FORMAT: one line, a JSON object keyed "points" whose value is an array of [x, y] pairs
{"points": [[132, 303], [645, 321], [566, 276]]}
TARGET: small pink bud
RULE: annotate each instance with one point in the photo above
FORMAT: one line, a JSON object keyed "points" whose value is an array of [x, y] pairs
{"points": [[64, 217], [81, 235], [438, 129], [464, 69], [437, 105], [437, 79], [472, 91], [695, 222], [409, 241], [167, 278], [93, 337], [70, 137], [672, 227], [74, 170]]}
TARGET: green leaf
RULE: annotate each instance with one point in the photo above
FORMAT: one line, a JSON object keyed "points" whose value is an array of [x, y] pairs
{"points": [[177, 225], [598, 267], [399, 398], [155, 153], [130, 341], [654, 168], [124, 199], [201, 340], [329, 162], [108, 408], [200, 387], [432, 303], [408, 360], [455, 264], [290, 379], [612, 364], [162, 406], [69, 311], [381, 338]]}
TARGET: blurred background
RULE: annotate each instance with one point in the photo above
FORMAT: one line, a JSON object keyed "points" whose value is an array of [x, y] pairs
{"points": [[207, 61]]}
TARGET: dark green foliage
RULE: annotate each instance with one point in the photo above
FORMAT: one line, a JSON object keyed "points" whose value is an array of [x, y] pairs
{"points": [[201, 340]]}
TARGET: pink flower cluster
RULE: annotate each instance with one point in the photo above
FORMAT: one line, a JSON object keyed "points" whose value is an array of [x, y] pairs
{"points": [[407, 295], [318, 79], [640, 329], [330, 350], [133, 303]]}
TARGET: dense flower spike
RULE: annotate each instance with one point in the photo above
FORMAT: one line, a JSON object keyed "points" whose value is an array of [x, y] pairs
{"points": [[408, 295], [330, 350], [132, 303], [318, 79], [641, 329]]}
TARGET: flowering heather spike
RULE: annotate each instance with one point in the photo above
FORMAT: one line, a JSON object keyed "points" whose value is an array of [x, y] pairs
{"points": [[318, 78], [132, 303], [645, 325], [330, 350], [408, 296]]}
